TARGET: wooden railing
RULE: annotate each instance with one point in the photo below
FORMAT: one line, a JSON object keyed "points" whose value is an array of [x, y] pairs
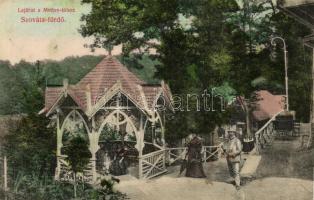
{"points": [[212, 152], [208, 152], [265, 135], [152, 164], [66, 174], [175, 154]]}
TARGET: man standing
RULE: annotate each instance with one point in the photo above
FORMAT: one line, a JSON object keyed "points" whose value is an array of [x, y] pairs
{"points": [[233, 149]]}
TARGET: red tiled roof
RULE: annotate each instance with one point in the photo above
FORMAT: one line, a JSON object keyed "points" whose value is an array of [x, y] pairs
{"points": [[51, 95], [151, 93], [101, 78], [267, 105], [106, 74]]}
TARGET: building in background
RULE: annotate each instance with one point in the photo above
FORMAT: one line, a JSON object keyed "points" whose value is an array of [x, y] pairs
{"points": [[303, 12]]}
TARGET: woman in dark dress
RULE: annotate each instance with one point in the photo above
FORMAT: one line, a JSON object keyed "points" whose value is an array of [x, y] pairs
{"points": [[119, 165], [194, 167]]}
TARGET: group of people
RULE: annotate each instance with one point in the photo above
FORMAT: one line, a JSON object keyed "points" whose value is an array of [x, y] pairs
{"points": [[112, 159], [232, 149], [117, 164]]}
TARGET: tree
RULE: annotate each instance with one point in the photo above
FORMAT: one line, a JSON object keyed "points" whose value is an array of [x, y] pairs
{"points": [[30, 147], [253, 65], [189, 37], [9, 96], [78, 156]]}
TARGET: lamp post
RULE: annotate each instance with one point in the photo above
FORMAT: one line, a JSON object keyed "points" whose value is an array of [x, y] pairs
{"points": [[286, 66]]}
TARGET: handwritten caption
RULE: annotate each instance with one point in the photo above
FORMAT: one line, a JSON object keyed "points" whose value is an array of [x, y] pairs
{"points": [[44, 15]]}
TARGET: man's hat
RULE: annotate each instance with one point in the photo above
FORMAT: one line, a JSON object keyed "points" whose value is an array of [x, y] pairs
{"points": [[232, 129]]}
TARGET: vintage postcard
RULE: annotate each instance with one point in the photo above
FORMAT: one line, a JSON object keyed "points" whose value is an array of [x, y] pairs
{"points": [[156, 99]]}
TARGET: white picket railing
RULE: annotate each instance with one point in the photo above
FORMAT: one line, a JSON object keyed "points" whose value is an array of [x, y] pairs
{"points": [[152, 164], [175, 154], [179, 153], [210, 152]]}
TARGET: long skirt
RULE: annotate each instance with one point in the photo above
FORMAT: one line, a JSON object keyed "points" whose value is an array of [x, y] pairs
{"points": [[195, 169]]}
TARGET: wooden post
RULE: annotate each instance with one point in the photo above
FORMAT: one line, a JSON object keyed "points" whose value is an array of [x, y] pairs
{"points": [[59, 144], [163, 139], [140, 148], [93, 147], [5, 173], [309, 143], [204, 153], [257, 147]]}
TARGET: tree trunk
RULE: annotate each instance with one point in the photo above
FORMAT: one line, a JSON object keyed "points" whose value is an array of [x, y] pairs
{"points": [[75, 195], [245, 104], [247, 121]]}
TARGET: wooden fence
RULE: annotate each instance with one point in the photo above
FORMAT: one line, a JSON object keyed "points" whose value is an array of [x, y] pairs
{"points": [[154, 164]]}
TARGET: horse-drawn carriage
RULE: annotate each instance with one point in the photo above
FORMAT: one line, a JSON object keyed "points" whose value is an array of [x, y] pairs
{"points": [[284, 123]]}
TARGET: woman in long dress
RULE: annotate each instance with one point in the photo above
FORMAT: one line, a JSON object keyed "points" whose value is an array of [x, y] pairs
{"points": [[194, 167]]}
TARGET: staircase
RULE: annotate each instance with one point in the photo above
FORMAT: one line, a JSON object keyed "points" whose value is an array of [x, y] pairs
{"points": [[265, 135]]}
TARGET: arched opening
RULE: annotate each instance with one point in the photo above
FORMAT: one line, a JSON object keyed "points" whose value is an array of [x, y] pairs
{"points": [[117, 140], [153, 136], [73, 126]]}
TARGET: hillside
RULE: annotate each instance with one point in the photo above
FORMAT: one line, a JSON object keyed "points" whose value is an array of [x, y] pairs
{"points": [[19, 82]]}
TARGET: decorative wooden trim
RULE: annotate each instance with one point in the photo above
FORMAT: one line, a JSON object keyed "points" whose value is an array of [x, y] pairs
{"points": [[115, 89]]}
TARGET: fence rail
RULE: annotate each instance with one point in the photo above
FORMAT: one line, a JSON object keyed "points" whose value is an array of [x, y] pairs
{"points": [[152, 164], [212, 152], [175, 154]]}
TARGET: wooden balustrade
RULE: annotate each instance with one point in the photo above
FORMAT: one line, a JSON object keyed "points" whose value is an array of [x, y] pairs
{"points": [[152, 164], [265, 135], [212, 152], [175, 154]]}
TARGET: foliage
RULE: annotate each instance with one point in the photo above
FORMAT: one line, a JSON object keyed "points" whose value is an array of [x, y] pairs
{"points": [[107, 191], [30, 147], [27, 80], [202, 45], [142, 65], [78, 154], [9, 96], [226, 92], [31, 187], [257, 65], [109, 134], [131, 23]]}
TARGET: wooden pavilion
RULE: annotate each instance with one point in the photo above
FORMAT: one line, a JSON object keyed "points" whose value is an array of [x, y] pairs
{"points": [[110, 103]]}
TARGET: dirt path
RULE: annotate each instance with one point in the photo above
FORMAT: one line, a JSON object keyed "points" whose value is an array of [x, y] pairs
{"points": [[283, 174]]}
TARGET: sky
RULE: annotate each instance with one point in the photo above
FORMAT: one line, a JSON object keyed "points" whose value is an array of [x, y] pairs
{"points": [[38, 41]]}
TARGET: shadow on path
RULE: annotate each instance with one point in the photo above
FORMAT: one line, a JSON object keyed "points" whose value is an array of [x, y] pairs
{"points": [[282, 159]]}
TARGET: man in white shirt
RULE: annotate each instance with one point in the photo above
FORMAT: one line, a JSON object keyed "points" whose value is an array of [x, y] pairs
{"points": [[233, 149]]}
